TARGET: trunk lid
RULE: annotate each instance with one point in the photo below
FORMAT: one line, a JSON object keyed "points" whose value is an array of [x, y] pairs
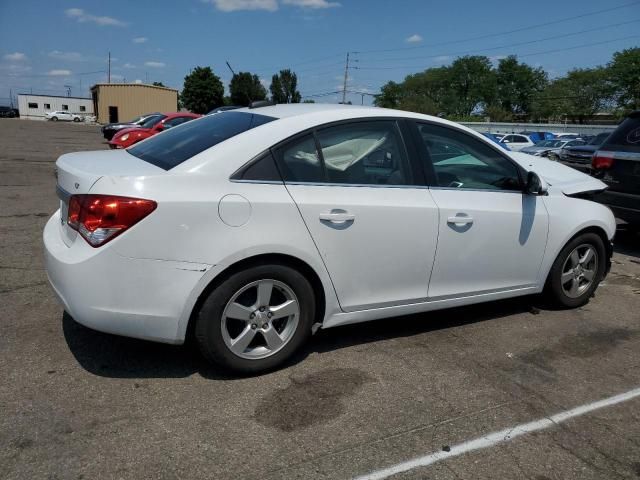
{"points": [[78, 172]]}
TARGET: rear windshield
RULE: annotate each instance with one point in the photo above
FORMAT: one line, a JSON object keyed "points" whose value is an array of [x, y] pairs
{"points": [[625, 138], [174, 146], [151, 121], [599, 139]]}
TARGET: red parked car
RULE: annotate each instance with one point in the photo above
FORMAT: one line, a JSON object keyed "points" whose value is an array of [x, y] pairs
{"points": [[155, 124]]}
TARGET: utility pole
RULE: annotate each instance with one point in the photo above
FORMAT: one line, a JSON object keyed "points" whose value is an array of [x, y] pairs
{"points": [[346, 76], [11, 97], [109, 69], [232, 72]]}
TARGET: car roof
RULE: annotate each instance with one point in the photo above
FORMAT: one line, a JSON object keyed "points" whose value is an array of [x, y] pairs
{"points": [[297, 109]]}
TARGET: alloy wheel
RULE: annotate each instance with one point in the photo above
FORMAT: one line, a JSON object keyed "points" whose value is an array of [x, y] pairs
{"points": [[579, 270], [260, 319]]}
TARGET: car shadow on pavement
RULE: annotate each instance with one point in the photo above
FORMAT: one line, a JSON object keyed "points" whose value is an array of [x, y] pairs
{"points": [[112, 356], [627, 243]]}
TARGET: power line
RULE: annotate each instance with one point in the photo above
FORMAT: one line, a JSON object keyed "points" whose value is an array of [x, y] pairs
{"points": [[498, 34], [522, 55], [511, 45]]}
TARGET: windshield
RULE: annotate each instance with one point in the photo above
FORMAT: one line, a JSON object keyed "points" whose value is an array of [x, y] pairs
{"points": [[551, 143], [152, 121], [180, 143]]}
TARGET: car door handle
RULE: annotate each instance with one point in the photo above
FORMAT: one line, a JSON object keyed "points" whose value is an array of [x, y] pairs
{"points": [[460, 220], [337, 217]]}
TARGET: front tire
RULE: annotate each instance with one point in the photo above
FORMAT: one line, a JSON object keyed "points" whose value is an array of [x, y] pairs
{"points": [[256, 319], [54, 119], [577, 271], [76, 119]]}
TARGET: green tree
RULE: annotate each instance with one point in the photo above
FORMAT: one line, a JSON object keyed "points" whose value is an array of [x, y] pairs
{"points": [[246, 88], [390, 95], [284, 87], [625, 76], [517, 84], [472, 85], [158, 84], [309, 100], [203, 91]]}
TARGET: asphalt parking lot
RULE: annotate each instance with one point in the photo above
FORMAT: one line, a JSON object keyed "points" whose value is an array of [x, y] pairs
{"points": [[75, 403]]}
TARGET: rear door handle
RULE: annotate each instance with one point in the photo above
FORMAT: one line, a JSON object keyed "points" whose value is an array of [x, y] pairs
{"points": [[460, 220], [337, 217]]}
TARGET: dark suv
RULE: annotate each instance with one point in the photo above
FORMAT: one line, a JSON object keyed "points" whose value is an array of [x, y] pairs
{"points": [[617, 163]]}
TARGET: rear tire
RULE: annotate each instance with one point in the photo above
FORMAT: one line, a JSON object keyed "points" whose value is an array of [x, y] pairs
{"points": [[267, 334], [54, 119], [577, 271], [76, 119]]}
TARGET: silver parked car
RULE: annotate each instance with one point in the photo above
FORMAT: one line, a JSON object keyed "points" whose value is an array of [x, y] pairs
{"points": [[551, 148]]}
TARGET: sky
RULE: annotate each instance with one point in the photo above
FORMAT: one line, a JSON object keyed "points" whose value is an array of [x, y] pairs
{"points": [[52, 47]]}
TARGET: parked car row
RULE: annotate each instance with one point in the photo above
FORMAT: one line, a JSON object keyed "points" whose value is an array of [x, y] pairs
{"points": [[125, 135], [9, 112]]}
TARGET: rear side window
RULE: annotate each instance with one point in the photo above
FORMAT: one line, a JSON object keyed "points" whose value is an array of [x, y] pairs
{"points": [[625, 138], [299, 161], [175, 146]]}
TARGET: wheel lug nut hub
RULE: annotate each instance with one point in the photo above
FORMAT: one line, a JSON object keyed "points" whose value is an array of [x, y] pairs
{"points": [[265, 325], [262, 309], [254, 326]]}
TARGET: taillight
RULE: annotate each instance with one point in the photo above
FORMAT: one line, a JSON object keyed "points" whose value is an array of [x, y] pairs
{"points": [[602, 160], [100, 218]]}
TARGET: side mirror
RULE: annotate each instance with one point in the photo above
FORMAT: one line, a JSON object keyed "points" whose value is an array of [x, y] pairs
{"points": [[536, 185]]}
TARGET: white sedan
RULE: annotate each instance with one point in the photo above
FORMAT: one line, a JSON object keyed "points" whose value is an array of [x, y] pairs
{"points": [[62, 116], [251, 229], [517, 141]]}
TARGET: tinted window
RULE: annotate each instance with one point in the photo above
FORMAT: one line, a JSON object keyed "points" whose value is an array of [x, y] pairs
{"points": [[176, 121], [599, 139], [625, 138], [261, 169], [365, 153], [175, 146], [299, 161], [462, 161]]}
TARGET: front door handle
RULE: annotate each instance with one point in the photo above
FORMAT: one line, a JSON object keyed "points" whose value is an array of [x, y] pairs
{"points": [[460, 220], [337, 216]]}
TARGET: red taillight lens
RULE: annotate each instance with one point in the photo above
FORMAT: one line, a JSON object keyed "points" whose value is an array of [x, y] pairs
{"points": [[100, 218], [602, 161]]}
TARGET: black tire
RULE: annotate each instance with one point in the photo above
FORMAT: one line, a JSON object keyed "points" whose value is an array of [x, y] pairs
{"points": [[76, 119], [54, 119], [209, 325], [554, 287]]}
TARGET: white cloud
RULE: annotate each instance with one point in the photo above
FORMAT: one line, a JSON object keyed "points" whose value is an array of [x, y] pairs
{"points": [[315, 4], [415, 38], [59, 73], [137, 80], [140, 40], [15, 69], [155, 64], [67, 56], [442, 59], [81, 16], [15, 57], [236, 5], [129, 65]]}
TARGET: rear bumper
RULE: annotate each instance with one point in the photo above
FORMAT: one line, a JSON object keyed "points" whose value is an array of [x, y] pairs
{"points": [[140, 298]]}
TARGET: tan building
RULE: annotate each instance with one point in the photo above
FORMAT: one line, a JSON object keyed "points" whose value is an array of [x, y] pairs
{"points": [[121, 102]]}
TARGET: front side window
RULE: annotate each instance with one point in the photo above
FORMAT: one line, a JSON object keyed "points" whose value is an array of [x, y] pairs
{"points": [[365, 153], [462, 161]]}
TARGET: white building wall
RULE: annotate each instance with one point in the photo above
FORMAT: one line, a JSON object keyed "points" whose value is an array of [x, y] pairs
{"points": [[47, 103]]}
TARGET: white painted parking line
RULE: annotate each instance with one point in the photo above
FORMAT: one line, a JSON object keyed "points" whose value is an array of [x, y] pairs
{"points": [[502, 436]]}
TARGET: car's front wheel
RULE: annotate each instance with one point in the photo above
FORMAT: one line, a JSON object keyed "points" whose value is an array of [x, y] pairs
{"points": [[256, 318], [54, 119], [577, 271], [76, 119]]}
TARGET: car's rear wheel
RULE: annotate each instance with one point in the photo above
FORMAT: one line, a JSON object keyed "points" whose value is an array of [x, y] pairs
{"points": [[76, 119], [54, 119], [577, 271], [256, 318]]}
